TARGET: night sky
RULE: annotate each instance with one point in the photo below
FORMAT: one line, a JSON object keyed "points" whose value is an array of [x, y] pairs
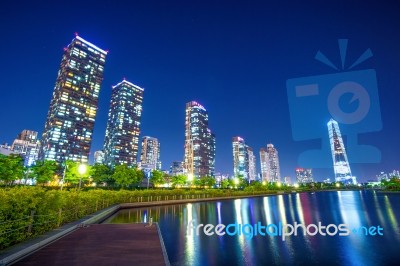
{"points": [[232, 57]]}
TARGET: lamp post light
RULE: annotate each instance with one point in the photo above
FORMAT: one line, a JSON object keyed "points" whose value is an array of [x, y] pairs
{"points": [[82, 170], [190, 179], [236, 181]]}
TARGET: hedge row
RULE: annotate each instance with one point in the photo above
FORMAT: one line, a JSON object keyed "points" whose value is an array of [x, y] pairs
{"points": [[26, 212]]}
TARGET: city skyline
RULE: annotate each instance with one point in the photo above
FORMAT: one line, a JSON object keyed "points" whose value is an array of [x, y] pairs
{"points": [[234, 59]]}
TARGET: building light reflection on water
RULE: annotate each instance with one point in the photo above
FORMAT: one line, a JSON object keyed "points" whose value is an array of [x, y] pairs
{"points": [[282, 214], [348, 202], [299, 210], [335, 208], [239, 220], [190, 238], [391, 215], [379, 211], [219, 212]]}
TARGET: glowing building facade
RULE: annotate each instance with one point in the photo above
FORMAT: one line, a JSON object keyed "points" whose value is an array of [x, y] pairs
{"points": [[70, 120], [121, 142], [199, 157], [244, 164], [341, 164], [304, 175], [269, 159], [99, 157], [28, 145], [176, 168], [150, 154]]}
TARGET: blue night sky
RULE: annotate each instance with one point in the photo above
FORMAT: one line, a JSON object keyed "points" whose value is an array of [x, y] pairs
{"points": [[232, 57]]}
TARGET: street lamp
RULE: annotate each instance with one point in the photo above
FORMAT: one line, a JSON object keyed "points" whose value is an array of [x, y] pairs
{"points": [[82, 170]]}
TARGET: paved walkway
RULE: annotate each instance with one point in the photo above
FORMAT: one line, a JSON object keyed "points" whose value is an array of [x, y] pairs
{"points": [[103, 244]]}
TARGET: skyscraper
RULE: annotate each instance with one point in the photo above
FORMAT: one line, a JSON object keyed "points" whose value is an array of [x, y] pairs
{"points": [[28, 145], [150, 154], [176, 168], [304, 175], [99, 157], [243, 159], [341, 164], [270, 169], [199, 157], [252, 164], [121, 142], [70, 121]]}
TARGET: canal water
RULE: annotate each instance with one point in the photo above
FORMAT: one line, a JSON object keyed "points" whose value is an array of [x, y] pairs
{"points": [[368, 221]]}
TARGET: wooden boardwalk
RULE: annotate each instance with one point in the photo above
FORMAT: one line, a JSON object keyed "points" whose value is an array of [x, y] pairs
{"points": [[103, 244]]}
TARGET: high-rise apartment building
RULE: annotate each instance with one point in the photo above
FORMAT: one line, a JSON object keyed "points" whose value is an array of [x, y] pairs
{"points": [[150, 154], [121, 142], [176, 168], [304, 175], [99, 157], [199, 157], [269, 159], [341, 164], [70, 121], [252, 164], [244, 164], [28, 145]]}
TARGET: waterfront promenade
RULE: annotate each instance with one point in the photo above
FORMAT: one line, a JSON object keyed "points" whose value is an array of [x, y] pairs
{"points": [[103, 244]]}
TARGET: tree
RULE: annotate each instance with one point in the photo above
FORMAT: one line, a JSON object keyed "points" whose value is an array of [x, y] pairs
{"points": [[179, 180], [11, 168], [101, 173], [208, 181], [225, 183], [125, 176], [72, 174], [238, 182], [44, 171], [157, 178], [139, 175]]}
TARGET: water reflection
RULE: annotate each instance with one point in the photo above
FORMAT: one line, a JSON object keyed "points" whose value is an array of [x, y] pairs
{"points": [[190, 236], [355, 208]]}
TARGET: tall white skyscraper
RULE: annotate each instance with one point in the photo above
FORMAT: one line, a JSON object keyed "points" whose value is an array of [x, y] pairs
{"points": [[244, 164], [341, 164], [199, 158], [270, 169], [150, 154]]}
